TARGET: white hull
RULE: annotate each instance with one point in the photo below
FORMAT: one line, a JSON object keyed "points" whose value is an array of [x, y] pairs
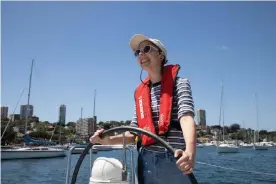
{"points": [[78, 150], [208, 144], [227, 148], [63, 147], [29, 153], [199, 145], [245, 145]]}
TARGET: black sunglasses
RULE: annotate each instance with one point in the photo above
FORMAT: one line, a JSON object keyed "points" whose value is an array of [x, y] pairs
{"points": [[146, 49]]}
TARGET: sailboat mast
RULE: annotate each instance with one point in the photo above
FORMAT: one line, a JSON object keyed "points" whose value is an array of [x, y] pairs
{"points": [[223, 125], [81, 114], [59, 133], [29, 95], [257, 116], [221, 96], [245, 135], [94, 103]]}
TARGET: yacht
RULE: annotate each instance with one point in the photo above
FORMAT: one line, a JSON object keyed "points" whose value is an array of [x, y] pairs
{"points": [[32, 152]]}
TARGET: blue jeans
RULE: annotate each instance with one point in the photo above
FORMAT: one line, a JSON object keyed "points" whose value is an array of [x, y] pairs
{"points": [[159, 168]]}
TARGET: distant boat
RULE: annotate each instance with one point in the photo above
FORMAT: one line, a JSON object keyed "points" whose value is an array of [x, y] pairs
{"points": [[29, 152], [258, 145], [32, 152], [208, 144], [225, 147], [198, 145], [246, 145]]}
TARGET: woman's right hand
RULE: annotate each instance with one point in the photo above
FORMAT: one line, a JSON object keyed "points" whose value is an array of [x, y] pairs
{"points": [[96, 138]]}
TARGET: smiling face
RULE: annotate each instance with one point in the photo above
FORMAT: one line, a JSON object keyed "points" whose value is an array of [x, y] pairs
{"points": [[149, 56]]}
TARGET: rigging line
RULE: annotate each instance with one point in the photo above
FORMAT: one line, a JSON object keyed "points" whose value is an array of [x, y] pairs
{"points": [[13, 113], [228, 168]]}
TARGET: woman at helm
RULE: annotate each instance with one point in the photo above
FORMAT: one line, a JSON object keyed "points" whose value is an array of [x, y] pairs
{"points": [[163, 106]]}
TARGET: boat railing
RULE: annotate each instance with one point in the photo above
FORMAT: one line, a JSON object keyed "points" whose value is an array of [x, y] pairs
{"points": [[102, 148]]}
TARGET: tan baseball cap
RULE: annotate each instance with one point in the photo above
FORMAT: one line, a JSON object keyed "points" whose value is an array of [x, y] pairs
{"points": [[139, 38]]}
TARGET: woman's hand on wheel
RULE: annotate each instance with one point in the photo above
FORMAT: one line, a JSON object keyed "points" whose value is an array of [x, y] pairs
{"points": [[186, 162], [96, 138]]}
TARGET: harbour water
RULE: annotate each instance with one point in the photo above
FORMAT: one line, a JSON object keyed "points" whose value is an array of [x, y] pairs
{"points": [[53, 171]]}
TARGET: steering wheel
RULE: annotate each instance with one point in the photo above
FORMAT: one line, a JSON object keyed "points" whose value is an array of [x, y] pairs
{"points": [[133, 129]]}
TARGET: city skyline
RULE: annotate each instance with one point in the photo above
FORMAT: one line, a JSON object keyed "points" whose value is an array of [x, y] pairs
{"points": [[200, 119], [76, 53]]}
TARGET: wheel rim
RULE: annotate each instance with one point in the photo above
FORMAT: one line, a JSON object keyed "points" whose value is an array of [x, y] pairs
{"points": [[123, 129]]}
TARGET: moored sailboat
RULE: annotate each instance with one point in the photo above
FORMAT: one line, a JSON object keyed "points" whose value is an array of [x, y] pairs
{"points": [[28, 151], [225, 147]]}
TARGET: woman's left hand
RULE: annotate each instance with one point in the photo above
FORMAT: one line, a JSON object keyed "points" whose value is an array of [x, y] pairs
{"points": [[186, 162]]}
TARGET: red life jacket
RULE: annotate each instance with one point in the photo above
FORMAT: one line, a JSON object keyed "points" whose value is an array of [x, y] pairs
{"points": [[143, 104]]}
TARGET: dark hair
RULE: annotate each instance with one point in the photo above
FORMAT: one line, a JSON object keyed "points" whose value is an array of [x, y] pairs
{"points": [[164, 61]]}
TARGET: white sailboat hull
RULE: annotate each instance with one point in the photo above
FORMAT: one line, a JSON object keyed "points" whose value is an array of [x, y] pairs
{"points": [[29, 153], [208, 144], [199, 145], [246, 145], [227, 148]]}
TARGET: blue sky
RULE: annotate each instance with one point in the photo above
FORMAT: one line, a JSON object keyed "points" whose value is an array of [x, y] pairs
{"points": [[82, 46]]}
